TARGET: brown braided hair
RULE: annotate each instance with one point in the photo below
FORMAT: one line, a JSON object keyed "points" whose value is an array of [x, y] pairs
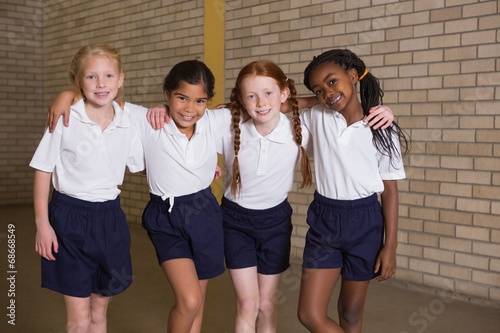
{"points": [[269, 69]]}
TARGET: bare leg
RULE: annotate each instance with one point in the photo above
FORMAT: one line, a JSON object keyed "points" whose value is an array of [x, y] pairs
{"points": [[315, 292], [77, 314], [246, 287], [351, 305], [182, 276], [98, 313], [198, 320], [267, 320]]}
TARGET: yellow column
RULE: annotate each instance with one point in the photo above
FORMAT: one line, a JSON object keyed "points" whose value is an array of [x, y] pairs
{"points": [[213, 55]]}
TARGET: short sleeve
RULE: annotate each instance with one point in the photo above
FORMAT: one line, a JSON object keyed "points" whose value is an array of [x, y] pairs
{"points": [[48, 151]]}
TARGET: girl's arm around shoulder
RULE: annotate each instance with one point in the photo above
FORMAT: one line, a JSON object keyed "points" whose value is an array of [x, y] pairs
{"points": [[135, 110], [380, 117], [306, 102], [60, 107], [45, 241], [135, 161], [386, 260], [157, 116], [219, 120], [138, 115], [302, 103]]}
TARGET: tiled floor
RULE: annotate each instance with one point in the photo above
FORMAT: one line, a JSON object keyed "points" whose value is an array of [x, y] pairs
{"points": [[143, 308]]}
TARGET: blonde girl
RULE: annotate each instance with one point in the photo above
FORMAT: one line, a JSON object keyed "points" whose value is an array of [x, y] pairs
{"points": [[82, 234]]}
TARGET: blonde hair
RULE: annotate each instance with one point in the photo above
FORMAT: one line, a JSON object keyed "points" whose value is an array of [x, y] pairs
{"points": [[268, 69], [78, 62]]}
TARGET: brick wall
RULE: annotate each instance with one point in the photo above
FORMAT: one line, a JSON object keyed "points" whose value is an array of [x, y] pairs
{"points": [[21, 96], [438, 63], [437, 60]]}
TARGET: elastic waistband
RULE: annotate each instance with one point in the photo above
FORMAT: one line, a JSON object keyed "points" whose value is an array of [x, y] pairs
{"points": [[95, 206], [251, 212], [346, 204], [183, 198]]}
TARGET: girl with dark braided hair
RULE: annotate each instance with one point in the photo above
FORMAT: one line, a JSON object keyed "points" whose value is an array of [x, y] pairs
{"points": [[351, 235]]}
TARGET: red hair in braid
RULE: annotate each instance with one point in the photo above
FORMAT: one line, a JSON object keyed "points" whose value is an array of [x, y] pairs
{"points": [[269, 69]]}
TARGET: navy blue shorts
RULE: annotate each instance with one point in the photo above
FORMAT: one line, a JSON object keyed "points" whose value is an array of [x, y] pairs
{"points": [[193, 229], [94, 248], [257, 237], [345, 234]]}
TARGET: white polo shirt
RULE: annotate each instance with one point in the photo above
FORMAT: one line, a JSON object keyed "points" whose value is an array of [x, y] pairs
{"points": [[346, 163], [86, 162], [175, 165], [267, 164]]}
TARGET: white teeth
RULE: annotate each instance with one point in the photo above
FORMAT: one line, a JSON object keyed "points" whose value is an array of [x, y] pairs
{"points": [[331, 102]]}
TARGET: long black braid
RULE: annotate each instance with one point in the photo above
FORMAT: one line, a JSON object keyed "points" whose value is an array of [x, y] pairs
{"points": [[370, 93]]}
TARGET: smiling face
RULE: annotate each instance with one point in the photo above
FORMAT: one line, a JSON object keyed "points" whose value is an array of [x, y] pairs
{"points": [[187, 104], [262, 98], [335, 87], [100, 81]]}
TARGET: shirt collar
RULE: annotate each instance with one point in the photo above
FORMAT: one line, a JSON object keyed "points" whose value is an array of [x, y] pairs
{"points": [[171, 127], [281, 134], [336, 114], [119, 120]]}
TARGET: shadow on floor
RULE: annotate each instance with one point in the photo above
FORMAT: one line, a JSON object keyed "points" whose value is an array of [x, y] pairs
{"points": [[144, 307]]}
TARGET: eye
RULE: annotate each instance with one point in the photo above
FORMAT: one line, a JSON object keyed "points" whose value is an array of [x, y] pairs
{"points": [[90, 77], [317, 92], [269, 93], [251, 97], [110, 76], [201, 101], [331, 82]]}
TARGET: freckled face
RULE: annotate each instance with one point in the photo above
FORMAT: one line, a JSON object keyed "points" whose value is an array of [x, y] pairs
{"points": [[262, 98], [187, 105]]}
